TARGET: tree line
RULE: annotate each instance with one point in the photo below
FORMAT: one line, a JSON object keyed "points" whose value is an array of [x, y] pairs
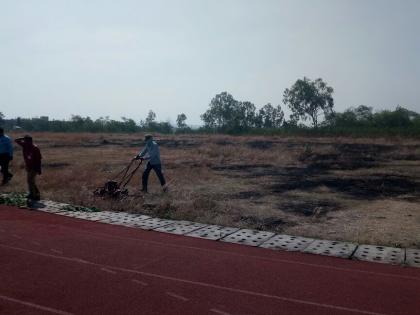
{"points": [[310, 102]]}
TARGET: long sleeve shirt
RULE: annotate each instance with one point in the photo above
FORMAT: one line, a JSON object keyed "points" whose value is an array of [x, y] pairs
{"points": [[151, 152], [6, 146], [31, 155]]}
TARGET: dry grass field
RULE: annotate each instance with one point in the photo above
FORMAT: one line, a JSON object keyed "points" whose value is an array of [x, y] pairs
{"points": [[362, 190]]}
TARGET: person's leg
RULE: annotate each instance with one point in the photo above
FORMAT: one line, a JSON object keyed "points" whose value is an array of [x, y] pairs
{"points": [[158, 170], [9, 175], [36, 194], [145, 177], [30, 181], [3, 167], [6, 174], [33, 189]]}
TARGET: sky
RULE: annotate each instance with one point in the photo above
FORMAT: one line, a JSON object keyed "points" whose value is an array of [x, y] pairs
{"points": [[123, 58]]}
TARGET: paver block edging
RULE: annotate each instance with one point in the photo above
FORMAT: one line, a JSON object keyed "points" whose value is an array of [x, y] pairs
{"points": [[263, 239]]}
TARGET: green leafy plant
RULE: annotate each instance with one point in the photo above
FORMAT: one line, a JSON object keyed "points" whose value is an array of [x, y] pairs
{"points": [[13, 199]]}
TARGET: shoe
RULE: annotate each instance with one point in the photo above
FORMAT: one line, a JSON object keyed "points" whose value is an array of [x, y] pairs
{"points": [[165, 188], [30, 197]]}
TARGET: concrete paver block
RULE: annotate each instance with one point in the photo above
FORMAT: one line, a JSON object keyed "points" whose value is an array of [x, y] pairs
{"points": [[287, 242], [132, 219], [331, 248], [126, 219], [180, 227], [96, 217], [382, 254], [213, 232], [412, 257], [263, 239], [91, 216], [50, 209], [66, 213], [153, 223], [248, 237]]}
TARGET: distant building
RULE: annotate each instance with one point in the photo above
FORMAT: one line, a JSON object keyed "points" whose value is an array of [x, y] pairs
{"points": [[46, 118]]}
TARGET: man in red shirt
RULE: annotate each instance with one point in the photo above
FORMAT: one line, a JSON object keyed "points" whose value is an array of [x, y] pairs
{"points": [[32, 157]]}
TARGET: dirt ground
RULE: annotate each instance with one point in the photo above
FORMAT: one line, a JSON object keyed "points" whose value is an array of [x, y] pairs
{"points": [[361, 190]]}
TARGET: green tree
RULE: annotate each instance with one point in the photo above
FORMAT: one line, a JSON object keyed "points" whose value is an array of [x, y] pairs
{"points": [[351, 117], [227, 114], [399, 118], [151, 118], [129, 124], [307, 98], [245, 116], [270, 117], [363, 113], [180, 121], [221, 113]]}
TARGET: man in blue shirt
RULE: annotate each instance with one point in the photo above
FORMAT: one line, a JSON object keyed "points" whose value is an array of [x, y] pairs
{"points": [[6, 155], [151, 153]]}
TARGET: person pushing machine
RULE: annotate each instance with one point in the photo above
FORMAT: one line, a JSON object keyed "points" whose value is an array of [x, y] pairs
{"points": [[151, 154]]}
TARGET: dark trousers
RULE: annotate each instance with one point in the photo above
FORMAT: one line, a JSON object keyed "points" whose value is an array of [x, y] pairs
{"points": [[4, 164], [158, 170], [33, 189]]}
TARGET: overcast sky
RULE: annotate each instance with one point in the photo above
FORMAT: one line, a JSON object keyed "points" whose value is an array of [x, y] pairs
{"points": [[123, 58]]}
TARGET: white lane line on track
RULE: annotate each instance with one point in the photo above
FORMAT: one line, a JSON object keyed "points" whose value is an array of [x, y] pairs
{"points": [[201, 284], [108, 270], [33, 305], [36, 243], [176, 296], [215, 310], [139, 282], [56, 251], [285, 261]]}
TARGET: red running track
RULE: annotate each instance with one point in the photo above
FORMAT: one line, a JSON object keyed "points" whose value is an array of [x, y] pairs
{"points": [[51, 264]]}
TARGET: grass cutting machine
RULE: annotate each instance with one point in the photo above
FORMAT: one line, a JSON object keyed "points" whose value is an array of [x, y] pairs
{"points": [[116, 187]]}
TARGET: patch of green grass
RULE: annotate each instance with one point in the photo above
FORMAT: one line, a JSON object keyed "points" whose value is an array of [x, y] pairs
{"points": [[13, 199]]}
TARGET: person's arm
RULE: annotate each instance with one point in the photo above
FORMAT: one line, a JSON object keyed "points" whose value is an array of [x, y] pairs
{"points": [[20, 141], [142, 153]]}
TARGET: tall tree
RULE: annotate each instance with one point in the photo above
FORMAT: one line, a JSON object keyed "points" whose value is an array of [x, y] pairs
{"points": [[222, 112], [308, 99], [180, 121], [151, 118], [363, 113], [227, 114], [270, 116], [245, 115]]}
